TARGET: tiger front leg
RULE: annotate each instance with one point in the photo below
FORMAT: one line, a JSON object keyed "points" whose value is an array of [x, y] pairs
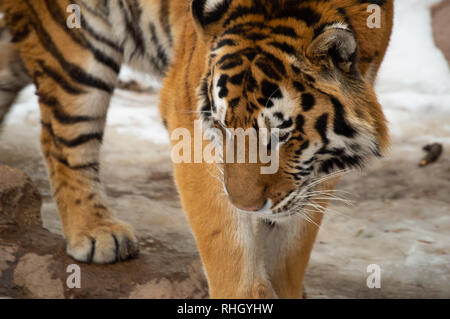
{"points": [[73, 115], [75, 71], [71, 151], [92, 232], [225, 240]]}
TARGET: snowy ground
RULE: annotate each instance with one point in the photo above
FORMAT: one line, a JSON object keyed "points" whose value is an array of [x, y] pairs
{"points": [[400, 219]]}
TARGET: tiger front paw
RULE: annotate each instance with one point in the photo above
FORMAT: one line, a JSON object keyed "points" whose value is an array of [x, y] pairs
{"points": [[103, 244]]}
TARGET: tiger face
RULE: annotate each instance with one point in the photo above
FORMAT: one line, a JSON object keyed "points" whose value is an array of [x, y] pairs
{"points": [[293, 66]]}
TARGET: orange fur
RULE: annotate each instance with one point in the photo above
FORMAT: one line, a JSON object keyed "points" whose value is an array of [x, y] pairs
{"points": [[210, 214], [325, 75]]}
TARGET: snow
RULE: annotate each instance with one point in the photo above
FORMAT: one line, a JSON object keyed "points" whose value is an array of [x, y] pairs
{"points": [[130, 113], [415, 75], [413, 84], [127, 74], [25, 110], [136, 115]]}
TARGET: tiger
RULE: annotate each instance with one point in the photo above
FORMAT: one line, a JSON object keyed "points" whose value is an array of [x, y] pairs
{"points": [[305, 68]]}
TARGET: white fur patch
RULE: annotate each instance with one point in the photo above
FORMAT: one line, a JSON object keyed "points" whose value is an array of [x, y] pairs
{"points": [[264, 248], [287, 106], [211, 5], [338, 25]]}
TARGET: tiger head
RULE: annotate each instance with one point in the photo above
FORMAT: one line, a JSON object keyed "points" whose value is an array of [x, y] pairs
{"points": [[283, 64]]}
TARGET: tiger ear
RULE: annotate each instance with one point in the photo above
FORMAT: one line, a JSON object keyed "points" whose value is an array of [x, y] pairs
{"points": [[208, 13], [334, 47]]}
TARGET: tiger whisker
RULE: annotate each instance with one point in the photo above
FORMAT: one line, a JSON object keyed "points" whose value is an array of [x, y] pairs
{"points": [[330, 191], [220, 179], [325, 210], [304, 216], [343, 200], [327, 177]]}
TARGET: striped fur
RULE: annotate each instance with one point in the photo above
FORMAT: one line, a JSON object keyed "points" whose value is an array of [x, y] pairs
{"points": [[75, 72], [306, 67]]}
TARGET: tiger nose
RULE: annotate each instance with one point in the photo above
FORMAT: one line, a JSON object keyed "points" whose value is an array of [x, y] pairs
{"points": [[245, 202], [245, 189], [251, 209]]}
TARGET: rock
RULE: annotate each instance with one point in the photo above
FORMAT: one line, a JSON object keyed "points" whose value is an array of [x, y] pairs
{"points": [[33, 275], [441, 27], [20, 201], [190, 287], [33, 262], [6, 257]]}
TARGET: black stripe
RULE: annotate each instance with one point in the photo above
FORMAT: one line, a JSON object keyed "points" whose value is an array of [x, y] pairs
{"points": [[104, 59], [286, 31], [321, 127], [58, 113], [251, 83], [303, 147], [164, 19], [231, 64], [268, 70], [15, 19], [234, 102], [19, 35], [377, 2], [308, 15], [224, 42], [99, 37], [80, 140], [222, 84], [59, 79], [341, 126], [59, 17], [244, 27], [93, 166], [298, 86], [285, 47], [242, 11], [160, 52], [308, 101], [76, 73], [300, 123], [206, 107], [270, 90], [286, 124], [279, 65], [255, 36], [133, 28], [95, 11], [238, 78]]}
